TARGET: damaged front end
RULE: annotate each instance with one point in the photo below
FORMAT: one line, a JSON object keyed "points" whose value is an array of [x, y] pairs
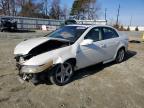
{"points": [[34, 73], [33, 67]]}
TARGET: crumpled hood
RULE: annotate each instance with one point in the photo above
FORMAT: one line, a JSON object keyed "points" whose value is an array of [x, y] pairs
{"points": [[25, 46]]}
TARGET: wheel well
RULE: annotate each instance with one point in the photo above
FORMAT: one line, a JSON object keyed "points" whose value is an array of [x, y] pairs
{"points": [[122, 48], [72, 60], [119, 49]]}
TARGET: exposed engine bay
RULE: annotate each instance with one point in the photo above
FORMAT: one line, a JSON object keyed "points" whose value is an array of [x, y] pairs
{"points": [[44, 47]]}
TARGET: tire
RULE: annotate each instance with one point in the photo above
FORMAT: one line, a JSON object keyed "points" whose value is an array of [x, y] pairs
{"points": [[62, 74], [35, 80], [120, 55]]}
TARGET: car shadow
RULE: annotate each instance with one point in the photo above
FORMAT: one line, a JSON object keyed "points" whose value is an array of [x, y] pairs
{"points": [[91, 70], [129, 55], [135, 41]]}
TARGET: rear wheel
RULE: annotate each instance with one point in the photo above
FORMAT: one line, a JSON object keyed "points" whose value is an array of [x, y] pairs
{"points": [[120, 55], [62, 74]]}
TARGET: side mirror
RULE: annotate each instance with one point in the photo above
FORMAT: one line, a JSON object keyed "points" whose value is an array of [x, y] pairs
{"points": [[86, 42]]}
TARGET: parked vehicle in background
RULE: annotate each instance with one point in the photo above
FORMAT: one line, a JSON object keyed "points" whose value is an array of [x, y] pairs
{"points": [[68, 22], [8, 24], [72, 47]]}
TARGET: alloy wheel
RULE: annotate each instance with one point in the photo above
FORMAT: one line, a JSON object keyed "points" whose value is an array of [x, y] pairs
{"points": [[64, 73]]}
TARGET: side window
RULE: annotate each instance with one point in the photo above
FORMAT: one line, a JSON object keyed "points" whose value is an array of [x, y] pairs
{"points": [[94, 34], [109, 33]]}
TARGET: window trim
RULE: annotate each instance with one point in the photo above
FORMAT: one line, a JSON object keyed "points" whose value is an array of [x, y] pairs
{"points": [[99, 36]]}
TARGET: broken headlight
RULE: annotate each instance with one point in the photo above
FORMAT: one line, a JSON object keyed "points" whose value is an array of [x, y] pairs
{"points": [[36, 69], [31, 69], [21, 60]]}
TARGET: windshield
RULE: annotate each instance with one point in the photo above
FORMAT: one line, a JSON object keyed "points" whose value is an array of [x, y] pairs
{"points": [[70, 33]]}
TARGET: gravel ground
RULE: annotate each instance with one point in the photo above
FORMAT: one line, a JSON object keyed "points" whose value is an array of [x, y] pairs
{"points": [[100, 86]]}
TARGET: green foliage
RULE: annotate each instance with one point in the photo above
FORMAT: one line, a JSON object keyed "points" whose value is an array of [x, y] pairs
{"points": [[83, 7], [77, 7]]}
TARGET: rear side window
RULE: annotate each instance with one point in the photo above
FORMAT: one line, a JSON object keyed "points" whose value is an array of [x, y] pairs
{"points": [[109, 33]]}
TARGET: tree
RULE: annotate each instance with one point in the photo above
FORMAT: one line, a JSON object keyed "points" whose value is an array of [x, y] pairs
{"points": [[45, 6], [13, 8], [30, 9], [121, 28], [64, 12], [117, 26], [55, 11], [86, 8], [20, 3], [128, 29], [3, 7], [8, 7]]}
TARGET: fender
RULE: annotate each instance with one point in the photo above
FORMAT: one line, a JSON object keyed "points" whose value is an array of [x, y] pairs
{"points": [[57, 56], [62, 59]]}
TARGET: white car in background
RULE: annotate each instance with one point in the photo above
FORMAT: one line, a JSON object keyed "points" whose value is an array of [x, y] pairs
{"points": [[72, 47]]}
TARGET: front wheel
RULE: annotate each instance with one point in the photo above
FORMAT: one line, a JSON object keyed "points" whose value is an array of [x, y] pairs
{"points": [[62, 74], [120, 55]]}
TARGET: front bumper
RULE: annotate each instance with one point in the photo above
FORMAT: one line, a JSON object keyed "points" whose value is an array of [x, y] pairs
{"points": [[37, 78], [33, 69], [34, 73]]}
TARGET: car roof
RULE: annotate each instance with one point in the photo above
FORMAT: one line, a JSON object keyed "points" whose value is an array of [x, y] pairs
{"points": [[87, 26]]}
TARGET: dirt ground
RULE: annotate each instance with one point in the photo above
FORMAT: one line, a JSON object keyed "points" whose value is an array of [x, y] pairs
{"points": [[100, 86]]}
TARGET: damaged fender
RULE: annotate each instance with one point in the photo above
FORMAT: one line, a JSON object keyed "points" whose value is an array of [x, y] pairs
{"points": [[66, 54], [55, 57]]}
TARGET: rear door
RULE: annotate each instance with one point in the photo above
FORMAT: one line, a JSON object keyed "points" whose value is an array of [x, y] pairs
{"points": [[110, 39]]}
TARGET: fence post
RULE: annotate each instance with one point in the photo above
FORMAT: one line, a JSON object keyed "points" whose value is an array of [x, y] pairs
{"points": [[21, 21], [37, 27]]}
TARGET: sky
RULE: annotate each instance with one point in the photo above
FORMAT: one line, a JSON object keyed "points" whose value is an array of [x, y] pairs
{"points": [[129, 10]]}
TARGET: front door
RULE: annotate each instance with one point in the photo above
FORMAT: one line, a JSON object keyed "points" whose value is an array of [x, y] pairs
{"points": [[92, 53]]}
